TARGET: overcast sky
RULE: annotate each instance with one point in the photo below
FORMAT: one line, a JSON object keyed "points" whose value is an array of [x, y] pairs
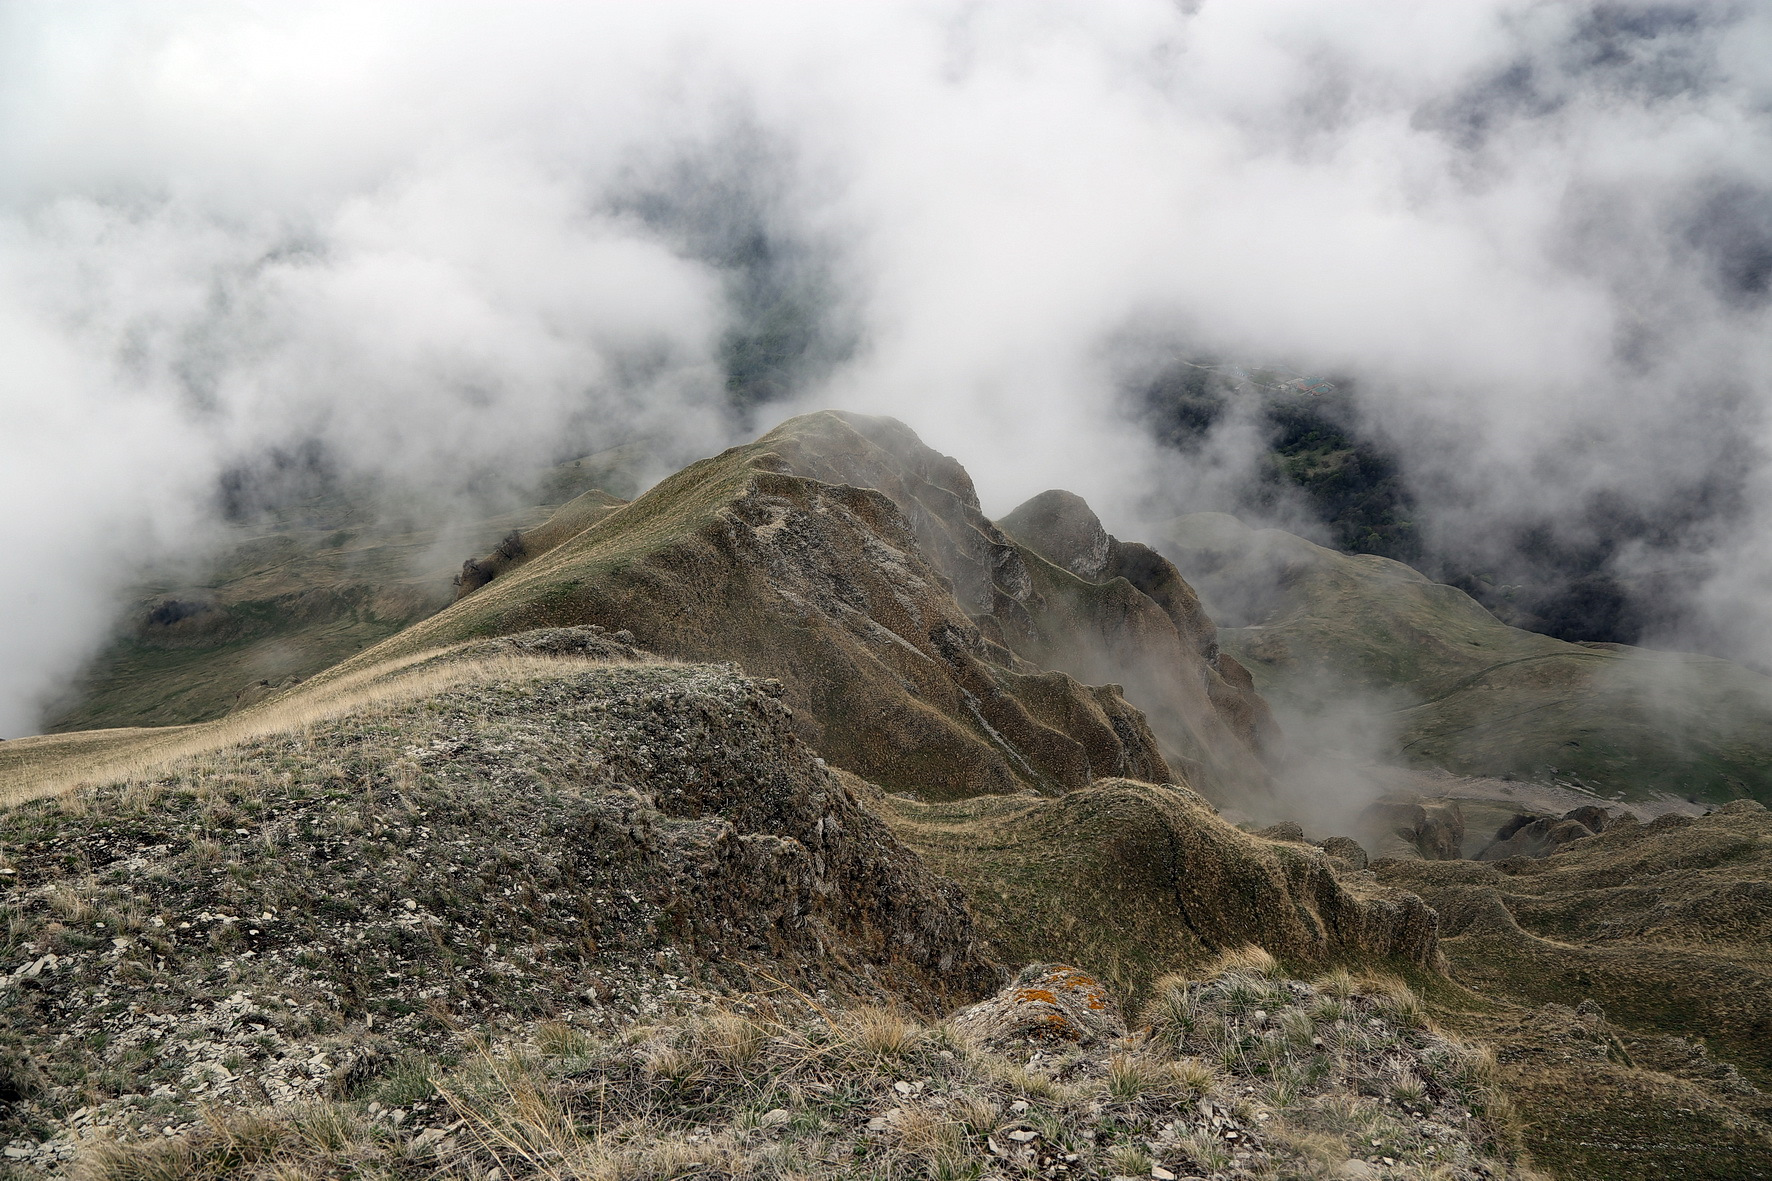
{"points": [[439, 240]]}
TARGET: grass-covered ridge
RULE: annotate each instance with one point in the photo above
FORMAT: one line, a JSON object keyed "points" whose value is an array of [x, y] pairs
{"points": [[832, 583], [1136, 880], [1626, 982]]}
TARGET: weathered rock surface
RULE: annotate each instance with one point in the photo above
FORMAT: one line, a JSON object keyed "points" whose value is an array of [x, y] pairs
{"points": [[1048, 1005]]}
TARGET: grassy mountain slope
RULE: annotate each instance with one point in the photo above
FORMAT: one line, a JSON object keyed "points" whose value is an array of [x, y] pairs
{"points": [[1137, 880], [476, 828], [520, 545], [1660, 933], [556, 839], [296, 589], [1463, 691]]}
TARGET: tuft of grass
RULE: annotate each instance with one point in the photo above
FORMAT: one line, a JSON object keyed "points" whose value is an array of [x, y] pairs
{"points": [[1248, 960], [1297, 1027], [731, 1039], [72, 902], [1409, 1091], [1172, 1012], [1400, 1003], [1193, 1076], [673, 1065], [557, 1039], [930, 1133], [980, 1113], [1477, 1064], [881, 1033], [1129, 1160], [1207, 1150], [1129, 1077], [406, 1082], [303, 1141]]}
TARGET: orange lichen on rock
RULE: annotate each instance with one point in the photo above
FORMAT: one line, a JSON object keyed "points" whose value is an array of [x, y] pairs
{"points": [[1050, 1003], [1095, 996]]}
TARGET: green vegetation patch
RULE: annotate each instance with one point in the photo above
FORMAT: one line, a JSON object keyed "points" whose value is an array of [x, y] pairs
{"points": [[1450, 686]]}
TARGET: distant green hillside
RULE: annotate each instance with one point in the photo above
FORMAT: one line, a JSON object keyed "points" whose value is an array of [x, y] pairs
{"points": [[295, 590], [1463, 690]]}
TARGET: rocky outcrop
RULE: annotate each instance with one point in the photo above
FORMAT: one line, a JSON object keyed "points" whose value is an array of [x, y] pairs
{"points": [[1435, 829], [1103, 608], [1346, 851], [1063, 529], [1048, 1005]]}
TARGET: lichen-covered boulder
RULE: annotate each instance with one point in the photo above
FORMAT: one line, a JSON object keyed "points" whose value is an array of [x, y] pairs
{"points": [[1049, 1004]]}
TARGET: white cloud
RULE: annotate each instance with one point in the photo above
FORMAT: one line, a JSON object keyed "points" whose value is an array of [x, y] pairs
{"points": [[411, 231]]}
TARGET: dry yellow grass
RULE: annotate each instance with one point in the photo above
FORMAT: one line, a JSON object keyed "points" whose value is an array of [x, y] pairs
{"points": [[1249, 960], [55, 764]]}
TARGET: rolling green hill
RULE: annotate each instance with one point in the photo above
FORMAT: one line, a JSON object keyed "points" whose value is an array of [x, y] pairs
{"points": [[1459, 689]]}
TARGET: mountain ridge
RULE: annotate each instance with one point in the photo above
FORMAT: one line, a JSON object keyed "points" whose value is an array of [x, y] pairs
{"points": [[797, 733]]}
